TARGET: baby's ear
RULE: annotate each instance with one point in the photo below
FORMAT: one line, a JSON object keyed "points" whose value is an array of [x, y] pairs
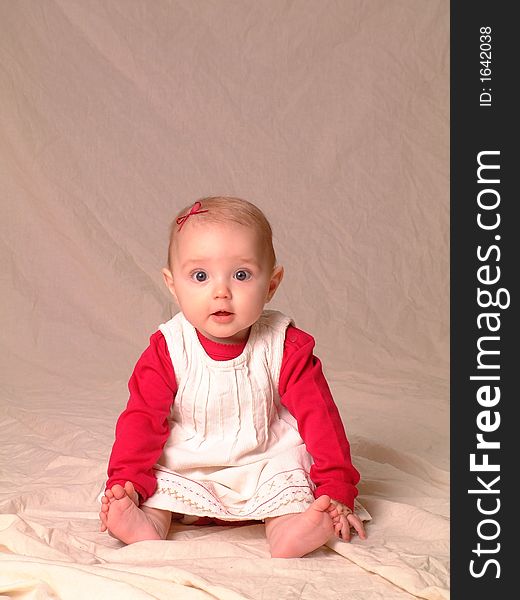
{"points": [[168, 280], [276, 280]]}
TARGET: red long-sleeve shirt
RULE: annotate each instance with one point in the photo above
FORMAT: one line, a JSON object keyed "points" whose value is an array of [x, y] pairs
{"points": [[143, 428]]}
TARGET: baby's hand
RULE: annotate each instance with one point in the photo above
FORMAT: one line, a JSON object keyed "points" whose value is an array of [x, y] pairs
{"points": [[344, 519]]}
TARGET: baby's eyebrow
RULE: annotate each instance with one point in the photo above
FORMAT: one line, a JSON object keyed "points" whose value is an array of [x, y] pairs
{"points": [[202, 261], [250, 261], [193, 261]]}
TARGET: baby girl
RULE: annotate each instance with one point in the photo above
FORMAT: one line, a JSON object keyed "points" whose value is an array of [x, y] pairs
{"points": [[230, 418]]}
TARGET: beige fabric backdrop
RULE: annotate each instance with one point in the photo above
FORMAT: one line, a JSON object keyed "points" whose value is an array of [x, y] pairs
{"points": [[333, 117]]}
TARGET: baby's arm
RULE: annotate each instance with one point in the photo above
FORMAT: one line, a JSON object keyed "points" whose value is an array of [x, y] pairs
{"points": [[344, 519], [143, 428], [305, 393]]}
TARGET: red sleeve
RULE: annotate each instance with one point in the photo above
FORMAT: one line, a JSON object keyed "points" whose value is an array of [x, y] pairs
{"points": [[143, 428], [305, 393]]}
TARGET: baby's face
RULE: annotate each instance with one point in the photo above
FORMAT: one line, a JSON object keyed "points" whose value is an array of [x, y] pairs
{"points": [[221, 279]]}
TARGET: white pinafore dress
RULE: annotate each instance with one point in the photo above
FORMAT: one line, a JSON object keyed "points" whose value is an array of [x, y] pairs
{"points": [[234, 451]]}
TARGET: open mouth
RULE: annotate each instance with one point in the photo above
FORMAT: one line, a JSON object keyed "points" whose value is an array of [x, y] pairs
{"points": [[222, 316]]}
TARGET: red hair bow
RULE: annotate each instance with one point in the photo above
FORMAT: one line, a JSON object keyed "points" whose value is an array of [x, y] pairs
{"points": [[193, 211]]}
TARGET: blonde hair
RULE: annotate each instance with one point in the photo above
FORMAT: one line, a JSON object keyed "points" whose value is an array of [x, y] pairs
{"points": [[223, 209]]}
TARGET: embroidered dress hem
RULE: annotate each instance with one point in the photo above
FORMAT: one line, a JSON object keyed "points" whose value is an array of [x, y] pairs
{"points": [[287, 492]]}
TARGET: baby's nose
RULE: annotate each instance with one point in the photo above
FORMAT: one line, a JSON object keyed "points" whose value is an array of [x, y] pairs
{"points": [[221, 290]]}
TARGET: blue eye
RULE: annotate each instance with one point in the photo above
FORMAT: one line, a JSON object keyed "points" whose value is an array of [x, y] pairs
{"points": [[199, 276], [242, 275]]}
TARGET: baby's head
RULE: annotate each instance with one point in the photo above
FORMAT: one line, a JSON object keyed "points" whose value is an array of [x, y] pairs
{"points": [[222, 266], [224, 210]]}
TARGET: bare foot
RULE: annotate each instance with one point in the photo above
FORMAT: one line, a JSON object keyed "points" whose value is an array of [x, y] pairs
{"points": [[107, 500], [123, 518], [294, 535]]}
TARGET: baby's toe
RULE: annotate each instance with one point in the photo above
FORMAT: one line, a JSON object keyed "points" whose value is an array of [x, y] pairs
{"points": [[103, 519], [118, 492]]}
